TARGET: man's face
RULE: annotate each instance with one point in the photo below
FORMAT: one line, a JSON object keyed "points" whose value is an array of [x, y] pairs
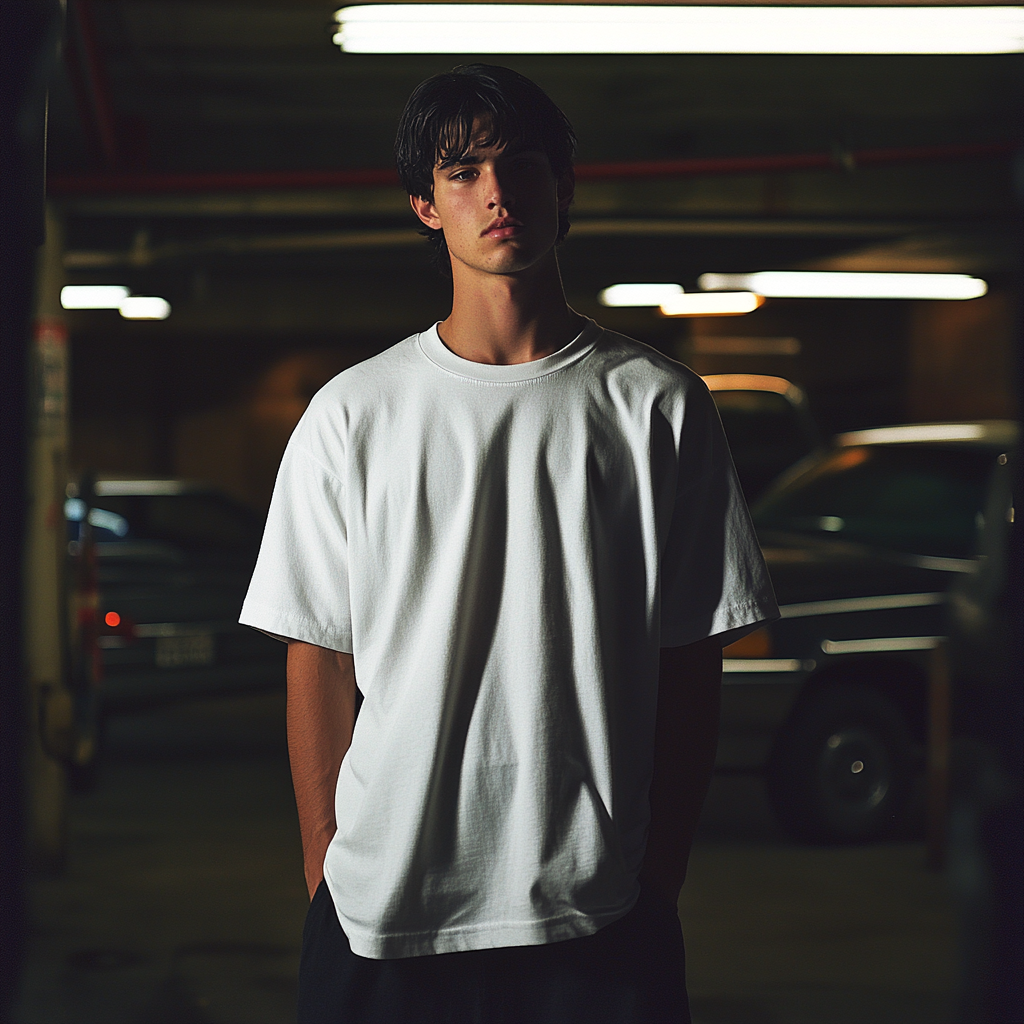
{"points": [[498, 207]]}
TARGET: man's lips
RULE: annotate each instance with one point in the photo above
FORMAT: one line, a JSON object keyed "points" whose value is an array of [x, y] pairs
{"points": [[505, 227]]}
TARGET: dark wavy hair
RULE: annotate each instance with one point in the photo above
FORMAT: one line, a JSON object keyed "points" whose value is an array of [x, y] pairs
{"points": [[436, 128]]}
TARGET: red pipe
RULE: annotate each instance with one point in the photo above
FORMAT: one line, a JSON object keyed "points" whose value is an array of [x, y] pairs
{"points": [[216, 181], [104, 119], [787, 162], [251, 181]]}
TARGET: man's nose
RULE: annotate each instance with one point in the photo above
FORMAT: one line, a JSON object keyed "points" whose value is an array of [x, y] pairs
{"points": [[498, 192]]}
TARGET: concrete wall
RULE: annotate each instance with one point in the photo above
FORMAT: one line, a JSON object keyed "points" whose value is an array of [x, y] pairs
{"points": [[961, 358]]}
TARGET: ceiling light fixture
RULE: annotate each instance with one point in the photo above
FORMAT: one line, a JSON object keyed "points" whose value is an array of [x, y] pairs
{"points": [[811, 284], [612, 28], [711, 304], [639, 294], [93, 296], [145, 307], [115, 296]]}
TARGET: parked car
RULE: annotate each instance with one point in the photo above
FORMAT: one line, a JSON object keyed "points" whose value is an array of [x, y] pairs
{"points": [[862, 541], [768, 424], [172, 564]]}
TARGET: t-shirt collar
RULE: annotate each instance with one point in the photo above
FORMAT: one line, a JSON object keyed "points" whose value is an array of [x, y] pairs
{"points": [[437, 352]]}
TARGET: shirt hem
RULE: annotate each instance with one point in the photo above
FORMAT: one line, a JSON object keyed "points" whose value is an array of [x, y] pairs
{"points": [[285, 629], [376, 946], [729, 624]]}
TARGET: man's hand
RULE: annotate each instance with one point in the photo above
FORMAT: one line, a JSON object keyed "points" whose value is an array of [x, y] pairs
{"points": [[321, 714], [685, 742]]}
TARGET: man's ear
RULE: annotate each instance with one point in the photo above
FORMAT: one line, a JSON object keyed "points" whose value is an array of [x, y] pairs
{"points": [[566, 190], [425, 210]]}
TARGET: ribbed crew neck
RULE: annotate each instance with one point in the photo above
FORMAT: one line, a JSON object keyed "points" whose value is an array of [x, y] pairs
{"points": [[438, 353]]}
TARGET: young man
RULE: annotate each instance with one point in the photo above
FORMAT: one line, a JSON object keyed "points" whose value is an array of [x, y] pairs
{"points": [[521, 538]]}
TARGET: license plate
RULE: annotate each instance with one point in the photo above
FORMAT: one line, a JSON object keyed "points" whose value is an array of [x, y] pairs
{"points": [[183, 651]]}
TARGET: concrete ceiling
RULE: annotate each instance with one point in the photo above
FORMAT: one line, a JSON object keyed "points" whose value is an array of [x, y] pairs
{"points": [[158, 86]]}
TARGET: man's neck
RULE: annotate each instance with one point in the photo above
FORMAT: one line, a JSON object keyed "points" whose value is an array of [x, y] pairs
{"points": [[503, 319]]}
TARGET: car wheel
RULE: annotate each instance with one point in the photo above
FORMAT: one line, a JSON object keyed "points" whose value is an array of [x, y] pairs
{"points": [[841, 767]]}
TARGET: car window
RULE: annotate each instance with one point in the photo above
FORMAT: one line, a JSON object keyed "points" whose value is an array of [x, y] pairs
{"points": [[191, 521], [923, 499], [766, 435]]}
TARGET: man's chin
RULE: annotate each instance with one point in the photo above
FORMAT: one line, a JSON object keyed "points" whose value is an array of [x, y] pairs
{"points": [[515, 259], [510, 256]]}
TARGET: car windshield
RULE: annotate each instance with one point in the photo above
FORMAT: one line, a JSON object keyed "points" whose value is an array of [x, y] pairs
{"points": [[766, 435], [761, 418], [190, 521], [923, 499]]}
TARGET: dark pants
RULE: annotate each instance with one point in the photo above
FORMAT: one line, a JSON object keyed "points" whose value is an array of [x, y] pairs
{"points": [[630, 972]]}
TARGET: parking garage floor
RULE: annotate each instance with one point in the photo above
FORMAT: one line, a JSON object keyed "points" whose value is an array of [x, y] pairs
{"points": [[183, 899]]}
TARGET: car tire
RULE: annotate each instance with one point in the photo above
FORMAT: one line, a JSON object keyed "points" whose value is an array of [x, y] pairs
{"points": [[840, 772]]}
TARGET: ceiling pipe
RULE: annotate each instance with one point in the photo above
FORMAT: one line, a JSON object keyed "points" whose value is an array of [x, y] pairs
{"points": [[92, 77], [245, 181], [836, 160], [142, 255]]}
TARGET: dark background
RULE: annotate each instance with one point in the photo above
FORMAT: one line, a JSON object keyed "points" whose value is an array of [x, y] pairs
{"points": [[181, 897]]}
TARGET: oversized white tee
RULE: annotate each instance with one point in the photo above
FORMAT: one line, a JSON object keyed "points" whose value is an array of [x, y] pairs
{"points": [[503, 550]]}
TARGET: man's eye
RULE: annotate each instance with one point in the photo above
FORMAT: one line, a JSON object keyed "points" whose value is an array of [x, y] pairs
{"points": [[462, 175]]}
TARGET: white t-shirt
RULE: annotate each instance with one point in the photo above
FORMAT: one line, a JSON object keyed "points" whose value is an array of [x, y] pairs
{"points": [[503, 550]]}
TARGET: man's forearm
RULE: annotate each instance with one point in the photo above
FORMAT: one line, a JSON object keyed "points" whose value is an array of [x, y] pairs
{"points": [[321, 714], [686, 739]]}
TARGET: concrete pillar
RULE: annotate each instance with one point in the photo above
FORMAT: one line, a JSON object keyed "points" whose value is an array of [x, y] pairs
{"points": [[45, 624]]}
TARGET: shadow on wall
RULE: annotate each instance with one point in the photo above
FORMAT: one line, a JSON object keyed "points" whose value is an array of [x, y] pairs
{"points": [[962, 359], [238, 446]]}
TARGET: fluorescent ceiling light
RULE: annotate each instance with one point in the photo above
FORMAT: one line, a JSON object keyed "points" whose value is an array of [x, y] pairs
{"points": [[580, 28], [711, 304], [809, 284], [93, 296], [145, 307], [639, 294], [114, 296]]}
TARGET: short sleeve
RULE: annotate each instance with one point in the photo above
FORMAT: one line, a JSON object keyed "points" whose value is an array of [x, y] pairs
{"points": [[713, 578], [300, 586]]}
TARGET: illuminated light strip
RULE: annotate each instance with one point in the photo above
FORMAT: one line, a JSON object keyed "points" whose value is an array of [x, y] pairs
{"points": [[711, 304], [145, 307], [106, 488], [814, 284], [915, 432], [114, 296], [885, 643], [579, 28], [858, 604], [749, 382], [766, 665], [93, 296], [638, 294]]}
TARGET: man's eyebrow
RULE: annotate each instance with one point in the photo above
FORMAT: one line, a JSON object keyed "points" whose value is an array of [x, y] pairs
{"points": [[512, 149], [459, 161]]}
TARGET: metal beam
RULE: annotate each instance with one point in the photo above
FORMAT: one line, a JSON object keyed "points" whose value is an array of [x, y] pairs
{"points": [[142, 255]]}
